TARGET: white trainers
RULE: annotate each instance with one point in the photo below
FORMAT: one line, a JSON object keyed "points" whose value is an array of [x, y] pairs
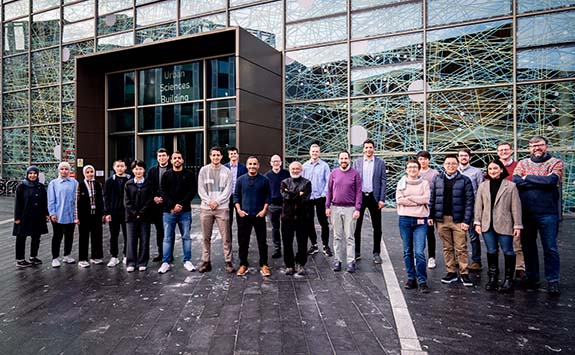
{"points": [[124, 260], [431, 263], [142, 268], [83, 264], [130, 269], [189, 266], [164, 268], [113, 262], [56, 262], [68, 259], [96, 261]]}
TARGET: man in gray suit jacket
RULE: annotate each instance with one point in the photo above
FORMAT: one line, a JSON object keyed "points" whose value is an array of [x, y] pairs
{"points": [[373, 177]]}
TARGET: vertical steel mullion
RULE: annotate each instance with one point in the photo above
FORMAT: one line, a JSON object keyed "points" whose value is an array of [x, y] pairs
{"points": [[424, 69], [348, 89]]}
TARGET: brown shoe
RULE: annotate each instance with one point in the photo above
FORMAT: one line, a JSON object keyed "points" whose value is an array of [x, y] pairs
{"points": [[475, 267], [242, 270], [265, 271], [205, 267], [229, 267]]}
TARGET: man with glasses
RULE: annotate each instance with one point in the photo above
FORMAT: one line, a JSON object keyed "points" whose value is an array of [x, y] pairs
{"points": [[538, 179], [275, 176]]}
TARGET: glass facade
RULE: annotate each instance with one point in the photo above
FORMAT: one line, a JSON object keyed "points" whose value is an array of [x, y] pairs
{"points": [[420, 74]]}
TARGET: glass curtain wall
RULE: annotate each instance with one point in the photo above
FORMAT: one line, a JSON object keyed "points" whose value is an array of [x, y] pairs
{"points": [[410, 74]]}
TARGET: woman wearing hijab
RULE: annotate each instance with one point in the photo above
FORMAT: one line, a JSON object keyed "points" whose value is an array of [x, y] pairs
{"points": [[498, 218], [91, 216], [30, 216]]}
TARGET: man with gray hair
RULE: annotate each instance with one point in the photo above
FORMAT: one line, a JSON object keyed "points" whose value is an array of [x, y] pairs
{"points": [[276, 175], [538, 179]]}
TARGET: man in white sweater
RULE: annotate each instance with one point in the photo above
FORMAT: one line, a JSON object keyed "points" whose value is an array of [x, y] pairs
{"points": [[215, 190]]}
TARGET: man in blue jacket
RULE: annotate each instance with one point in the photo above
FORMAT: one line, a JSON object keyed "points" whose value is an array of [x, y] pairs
{"points": [[373, 183], [238, 169], [451, 207]]}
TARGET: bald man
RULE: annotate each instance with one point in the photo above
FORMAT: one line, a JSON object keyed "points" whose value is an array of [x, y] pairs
{"points": [[276, 175]]}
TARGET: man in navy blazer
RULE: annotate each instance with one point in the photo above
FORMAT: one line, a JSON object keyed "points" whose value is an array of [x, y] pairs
{"points": [[373, 177], [238, 169]]}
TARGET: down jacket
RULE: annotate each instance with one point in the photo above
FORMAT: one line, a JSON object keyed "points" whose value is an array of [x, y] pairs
{"points": [[463, 199]]}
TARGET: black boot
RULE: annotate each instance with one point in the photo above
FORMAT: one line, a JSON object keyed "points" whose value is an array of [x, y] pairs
{"points": [[492, 272], [509, 271]]}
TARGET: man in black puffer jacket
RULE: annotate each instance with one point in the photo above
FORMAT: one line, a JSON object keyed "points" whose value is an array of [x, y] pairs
{"points": [[451, 207]]}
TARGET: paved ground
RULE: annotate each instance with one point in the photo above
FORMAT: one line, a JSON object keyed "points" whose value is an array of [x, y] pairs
{"points": [[104, 310]]}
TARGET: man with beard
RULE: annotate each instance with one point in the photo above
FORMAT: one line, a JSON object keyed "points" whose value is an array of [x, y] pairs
{"points": [[538, 179], [155, 176]]}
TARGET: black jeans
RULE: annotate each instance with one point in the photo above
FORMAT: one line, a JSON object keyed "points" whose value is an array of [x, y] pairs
{"points": [[116, 224], [431, 241], [21, 246], [90, 228], [288, 230], [369, 202], [319, 206], [159, 224], [66, 231], [275, 215], [138, 250], [245, 225]]}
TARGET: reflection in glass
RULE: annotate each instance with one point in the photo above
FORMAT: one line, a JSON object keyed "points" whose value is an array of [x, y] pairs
{"points": [[46, 29], [440, 12], [222, 137], [45, 105], [44, 140], [317, 31], [546, 63], [45, 67], [117, 41], [317, 73], [71, 51], [121, 90], [194, 7], [154, 13], [15, 145], [534, 5], [78, 30], [395, 18], [121, 121], [156, 33], [79, 11], [107, 6], [38, 5], [171, 84], [15, 73], [323, 123], [222, 113], [263, 21], [362, 4], [299, 10], [477, 119], [68, 146], [203, 24], [221, 77], [15, 109], [121, 147], [191, 145], [68, 92], [470, 55], [170, 117], [16, 36], [546, 29], [16, 9], [117, 22], [386, 65]]}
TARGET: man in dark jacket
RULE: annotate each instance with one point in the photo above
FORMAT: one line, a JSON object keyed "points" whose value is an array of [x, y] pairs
{"points": [[155, 176], [238, 169], [451, 207], [276, 175], [295, 191], [114, 208]]}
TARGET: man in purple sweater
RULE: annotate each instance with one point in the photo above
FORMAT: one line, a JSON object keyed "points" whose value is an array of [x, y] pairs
{"points": [[343, 203]]}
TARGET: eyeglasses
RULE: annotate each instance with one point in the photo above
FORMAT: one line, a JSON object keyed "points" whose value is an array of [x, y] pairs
{"points": [[450, 164], [537, 145]]}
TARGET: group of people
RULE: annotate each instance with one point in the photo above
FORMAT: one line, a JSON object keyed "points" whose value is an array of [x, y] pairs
{"points": [[514, 202]]}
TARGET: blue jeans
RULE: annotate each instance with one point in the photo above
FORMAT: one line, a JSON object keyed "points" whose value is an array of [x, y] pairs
{"points": [[547, 226], [475, 242], [413, 235], [184, 221], [492, 239]]}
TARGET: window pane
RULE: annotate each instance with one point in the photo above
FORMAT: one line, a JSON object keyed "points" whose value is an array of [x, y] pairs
{"points": [[155, 13], [69, 53], [45, 67], [221, 77], [317, 31], [171, 84], [534, 5], [299, 10], [222, 137], [107, 6], [203, 24], [263, 21], [15, 109], [121, 90], [16, 36], [395, 18], [15, 145], [546, 63], [38, 5], [16, 9], [68, 147], [78, 30], [46, 29], [156, 33], [170, 117], [45, 139], [222, 113], [80, 11], [362, 4], [440, 12], [546, 29], [121, 121], [122, 40], [45, 105], [15, 73], [317, 73], [194, 7], [117, 22]]}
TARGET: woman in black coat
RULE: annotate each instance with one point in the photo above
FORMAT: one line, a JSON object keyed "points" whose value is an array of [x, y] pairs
{"points": [[30, 216], [91, 216]]}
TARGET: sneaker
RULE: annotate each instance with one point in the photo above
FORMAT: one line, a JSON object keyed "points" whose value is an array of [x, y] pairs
{"points": [[475, 267], [336, 266], [357, 256], [377, 258], [290, 271], [205, 267], [23, 263], [313, 250], [83, 264], [422, 288], [431, 263], [229, 267], [242, 270], [553, 288], [143, 268], [189, 266], [113, 262], [164, 268], [277, 255], [68, 259], [327, 251], [300, 270], [124, 260], [265, 271], [96, 261], [157, 259], [449, 278], [130, 269], [35, 261], [410, 284], [351, 268], [56, 262], [467, 281]]}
